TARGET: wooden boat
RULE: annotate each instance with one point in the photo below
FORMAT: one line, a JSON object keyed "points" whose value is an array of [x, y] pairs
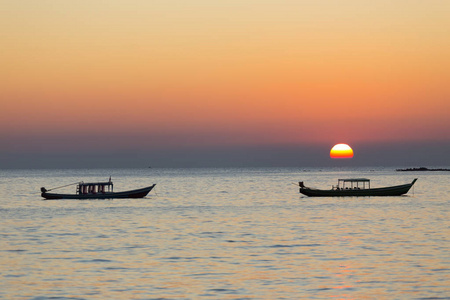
{"points": [[97, 190], [357, 188]]}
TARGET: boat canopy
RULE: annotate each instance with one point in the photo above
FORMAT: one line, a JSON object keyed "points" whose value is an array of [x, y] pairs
{"points": [[94, 187], [355, 180], [96, 183], [352, 181]]}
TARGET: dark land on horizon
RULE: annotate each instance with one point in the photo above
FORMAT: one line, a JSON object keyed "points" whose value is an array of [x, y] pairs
{"points": [[420, 169]]}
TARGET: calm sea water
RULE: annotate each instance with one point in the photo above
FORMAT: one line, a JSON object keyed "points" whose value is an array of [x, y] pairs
{"points": [[224, 234]]}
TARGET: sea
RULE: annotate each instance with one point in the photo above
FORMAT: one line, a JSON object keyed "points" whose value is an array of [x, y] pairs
{"points": [[218, 233]]}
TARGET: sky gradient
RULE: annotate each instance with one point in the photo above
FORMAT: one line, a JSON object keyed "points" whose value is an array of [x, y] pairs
{"points": [[82, 79]]}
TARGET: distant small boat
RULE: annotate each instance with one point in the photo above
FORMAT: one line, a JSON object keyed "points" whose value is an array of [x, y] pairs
{"points": [[357, 188], [97, 190]]}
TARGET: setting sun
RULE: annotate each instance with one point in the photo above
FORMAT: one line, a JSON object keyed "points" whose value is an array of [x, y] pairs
{"points": [[341, 151]]}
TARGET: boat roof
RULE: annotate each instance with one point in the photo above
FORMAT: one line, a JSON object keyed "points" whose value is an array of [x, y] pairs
{"points": [[96, 183], [355, 180]]}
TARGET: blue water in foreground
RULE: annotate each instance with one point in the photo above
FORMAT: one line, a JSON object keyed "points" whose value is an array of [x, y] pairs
{"points": [[224, 234]]}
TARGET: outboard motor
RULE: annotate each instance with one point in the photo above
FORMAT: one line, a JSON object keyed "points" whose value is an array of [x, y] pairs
{"points": [[43, 189], [301, 184]]}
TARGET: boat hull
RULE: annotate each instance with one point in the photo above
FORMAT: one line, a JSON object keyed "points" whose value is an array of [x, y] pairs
{"points": [[397, 190], [139, 193]]}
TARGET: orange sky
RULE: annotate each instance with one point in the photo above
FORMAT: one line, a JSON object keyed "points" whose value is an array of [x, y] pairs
{"points": [[226, 72]]}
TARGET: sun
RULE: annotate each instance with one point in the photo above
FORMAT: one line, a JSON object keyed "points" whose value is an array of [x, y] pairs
{"points": [[341, 151]]}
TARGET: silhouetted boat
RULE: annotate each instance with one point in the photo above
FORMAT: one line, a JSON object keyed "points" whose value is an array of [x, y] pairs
{"points": [[97, 190], [355, 189]]}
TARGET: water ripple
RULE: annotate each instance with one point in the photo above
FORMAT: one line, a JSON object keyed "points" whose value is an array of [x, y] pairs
{"points": [[258, 240]]}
